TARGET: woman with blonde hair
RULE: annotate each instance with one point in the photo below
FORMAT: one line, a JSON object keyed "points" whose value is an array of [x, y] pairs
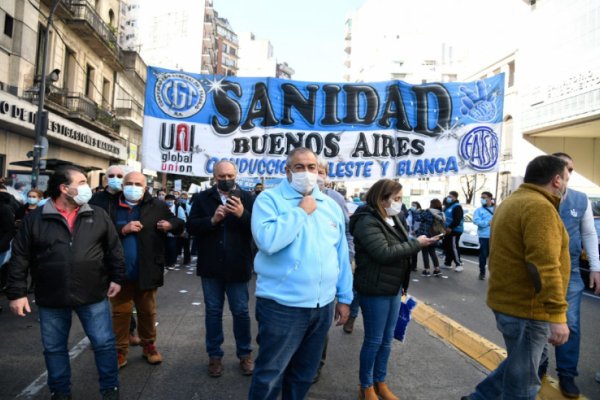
{"points": [[383, 253]]}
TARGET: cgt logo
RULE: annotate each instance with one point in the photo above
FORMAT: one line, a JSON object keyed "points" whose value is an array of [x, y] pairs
{"points": [[179, 95], [177, 137]]}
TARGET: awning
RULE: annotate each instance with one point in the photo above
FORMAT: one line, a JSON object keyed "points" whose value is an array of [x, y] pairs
{"points": [[52, 164]]}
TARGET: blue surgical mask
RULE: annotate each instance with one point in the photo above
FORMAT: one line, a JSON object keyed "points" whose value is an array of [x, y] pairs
{"points": [[483, 202], [183, 201], [133, 193], [413, 209], [170, 203], [449, 199], [32, 201], [115, 183]]}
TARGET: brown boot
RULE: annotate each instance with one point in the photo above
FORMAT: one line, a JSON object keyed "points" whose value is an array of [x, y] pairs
{"points": [[367, 393], [247, 365], [349, 325], [215, 367], [151, 354], [383, 391]]}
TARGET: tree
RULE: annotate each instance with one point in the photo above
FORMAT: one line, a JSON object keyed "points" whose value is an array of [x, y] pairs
{"points": [[470, 184]]}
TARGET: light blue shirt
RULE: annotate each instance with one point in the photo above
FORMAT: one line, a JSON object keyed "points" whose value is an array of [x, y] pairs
{"points": [[302, 259], [483, 218]]}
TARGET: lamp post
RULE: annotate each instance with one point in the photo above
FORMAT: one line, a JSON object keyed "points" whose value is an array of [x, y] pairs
{"points": [[41, 120]]}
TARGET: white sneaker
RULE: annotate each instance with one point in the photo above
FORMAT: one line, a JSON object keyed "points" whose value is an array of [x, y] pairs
{"points": [[459, 268]]}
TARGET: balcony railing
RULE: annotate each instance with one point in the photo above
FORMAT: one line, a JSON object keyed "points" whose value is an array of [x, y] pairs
{"points": [[83, 109], [103, 40], [129, 112], [62, 10]]}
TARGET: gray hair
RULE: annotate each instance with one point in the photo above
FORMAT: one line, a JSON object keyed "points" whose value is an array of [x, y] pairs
{"points": [[297, 150], [222, 162]]}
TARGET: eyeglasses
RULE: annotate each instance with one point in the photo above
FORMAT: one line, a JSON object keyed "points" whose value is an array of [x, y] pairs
{"points": [[117, 175]]}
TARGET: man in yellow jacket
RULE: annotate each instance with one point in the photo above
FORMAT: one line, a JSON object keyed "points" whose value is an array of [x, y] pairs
{"points": [[529, 274]]}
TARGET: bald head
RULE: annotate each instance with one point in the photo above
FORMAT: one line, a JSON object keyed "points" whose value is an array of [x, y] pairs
{"points": [[135, 178]]}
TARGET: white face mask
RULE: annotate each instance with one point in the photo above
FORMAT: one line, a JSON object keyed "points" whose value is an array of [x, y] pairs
{"points": [[133, 193], [321, 183], [394, 208], [84, 194], [304, 182]]}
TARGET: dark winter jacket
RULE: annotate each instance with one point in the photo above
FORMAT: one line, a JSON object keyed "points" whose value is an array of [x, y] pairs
{"points": [[382, 253], [151, 241], [106, 201], [69, 269], [8, 209], [224, 250]]}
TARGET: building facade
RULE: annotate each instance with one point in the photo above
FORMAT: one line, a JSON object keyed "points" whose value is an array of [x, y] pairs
{"points": [[92, 94], [227, 48], [255, 56]]}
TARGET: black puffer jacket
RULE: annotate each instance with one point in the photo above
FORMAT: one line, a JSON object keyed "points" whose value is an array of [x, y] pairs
{"points": [[382, 253], [8, 208], [68, 268]]}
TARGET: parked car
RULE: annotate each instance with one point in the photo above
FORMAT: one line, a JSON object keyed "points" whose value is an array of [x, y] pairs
{"points": [[584, 265], [469, 238]]}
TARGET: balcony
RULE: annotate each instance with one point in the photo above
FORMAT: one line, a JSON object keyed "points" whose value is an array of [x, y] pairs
{"points": [[62, 11], [84, 111], [130, 113], [101, 38], [135, 68]]}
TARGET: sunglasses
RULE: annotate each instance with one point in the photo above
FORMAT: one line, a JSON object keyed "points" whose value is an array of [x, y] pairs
{"points": [[113, 175]]}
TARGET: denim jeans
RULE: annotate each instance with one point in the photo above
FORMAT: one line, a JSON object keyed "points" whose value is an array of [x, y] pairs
{"points": [[380, 314], [55, 324], [214, 299], [291, 341], [484, 252], [171, 251], [567, 355], [516, 377]]}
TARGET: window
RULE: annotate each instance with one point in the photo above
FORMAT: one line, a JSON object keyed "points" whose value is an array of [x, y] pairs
{"points": [[511, 74], [69, 70], [8, 25], [89, 81], [106, 94]]}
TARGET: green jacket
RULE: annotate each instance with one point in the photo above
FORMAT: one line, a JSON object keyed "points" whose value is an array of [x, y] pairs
{"points": [[529, 257], [382, 254]]}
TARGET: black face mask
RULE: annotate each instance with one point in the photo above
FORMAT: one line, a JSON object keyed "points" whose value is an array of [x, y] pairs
{"points": [[226, 185]]}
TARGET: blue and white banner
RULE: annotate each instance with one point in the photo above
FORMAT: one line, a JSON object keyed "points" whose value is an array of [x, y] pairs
{"points": [[363, 130]]}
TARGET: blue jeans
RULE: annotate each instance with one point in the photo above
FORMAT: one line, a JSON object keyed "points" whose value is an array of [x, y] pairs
{"points": [[291, 341], [380, 314], [567, 355], [214, 299], [96, 319], [171, 251], [516, 377], [484, 252]]}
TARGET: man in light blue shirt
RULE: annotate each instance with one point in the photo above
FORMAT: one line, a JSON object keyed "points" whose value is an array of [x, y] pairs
{"points": [[302, 265], [483, 219]]}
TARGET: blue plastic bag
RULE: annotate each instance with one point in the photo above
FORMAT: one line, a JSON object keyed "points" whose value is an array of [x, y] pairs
{"points": [[404, 317]]}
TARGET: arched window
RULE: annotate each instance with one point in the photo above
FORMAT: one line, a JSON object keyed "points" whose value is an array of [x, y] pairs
{"points": [[111, 17]]}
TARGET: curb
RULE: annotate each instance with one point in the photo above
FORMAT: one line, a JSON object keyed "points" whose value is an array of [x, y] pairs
{"points": [[475, 346]]}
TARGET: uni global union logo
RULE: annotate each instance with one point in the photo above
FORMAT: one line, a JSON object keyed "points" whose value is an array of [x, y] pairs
{"points": [[179, 95], [480, 148]]}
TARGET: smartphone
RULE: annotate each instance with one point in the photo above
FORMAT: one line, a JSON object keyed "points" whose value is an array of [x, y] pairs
{"points": [[235, 192], [441, 235]]}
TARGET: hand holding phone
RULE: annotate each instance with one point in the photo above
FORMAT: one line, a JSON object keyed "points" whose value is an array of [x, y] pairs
{"points": [[439, 237]]}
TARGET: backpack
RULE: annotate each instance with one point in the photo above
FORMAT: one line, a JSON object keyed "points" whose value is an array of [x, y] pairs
{"points": [[437, 226]]}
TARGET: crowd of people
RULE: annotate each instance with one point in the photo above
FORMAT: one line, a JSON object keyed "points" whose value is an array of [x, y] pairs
{"points": [[102, 255]]}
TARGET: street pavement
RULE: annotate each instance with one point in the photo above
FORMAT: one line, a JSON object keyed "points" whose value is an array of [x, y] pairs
{"points": [[461, 296], [424, 367]]}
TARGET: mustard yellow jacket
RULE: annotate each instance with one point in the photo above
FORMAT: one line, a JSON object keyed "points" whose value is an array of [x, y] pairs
{"points": [[529, 257]]}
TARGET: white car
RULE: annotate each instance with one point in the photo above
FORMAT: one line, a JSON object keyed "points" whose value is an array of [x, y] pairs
{"points": [[469, 238]]}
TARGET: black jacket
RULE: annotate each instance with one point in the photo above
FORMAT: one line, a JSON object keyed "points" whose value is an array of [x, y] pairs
{"points": [[382, 253], [151, 241], [9, 207], [68, 269], [106, 201], [224, 250]]}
